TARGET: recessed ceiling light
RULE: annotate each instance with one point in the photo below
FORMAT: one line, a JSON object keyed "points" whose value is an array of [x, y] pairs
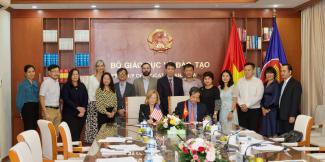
{"points": [[275, 6], [93, 6], [216, 5], [34, 7], [156, 6]]}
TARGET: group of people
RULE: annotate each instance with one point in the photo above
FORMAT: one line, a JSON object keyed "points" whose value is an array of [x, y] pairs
{"points": [[269, 108]]}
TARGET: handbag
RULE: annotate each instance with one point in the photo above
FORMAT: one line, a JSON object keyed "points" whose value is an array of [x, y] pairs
{"points": [[292, 136], [102, 118]]}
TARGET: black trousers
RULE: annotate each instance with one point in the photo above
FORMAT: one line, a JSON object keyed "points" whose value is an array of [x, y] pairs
{"points": [[75, 124], [285, 126], [30, 115], [249, 119]]}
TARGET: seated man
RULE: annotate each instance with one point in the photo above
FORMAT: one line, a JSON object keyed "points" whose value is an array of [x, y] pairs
{"points": [[191, 110]]}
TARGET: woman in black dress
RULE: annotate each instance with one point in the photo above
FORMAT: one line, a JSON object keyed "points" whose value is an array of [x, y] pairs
{"points": [[270, 103], [75, 99], [210, 95]]}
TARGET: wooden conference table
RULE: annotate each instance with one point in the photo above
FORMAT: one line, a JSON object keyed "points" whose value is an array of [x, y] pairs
{"points": [[169, 154]]}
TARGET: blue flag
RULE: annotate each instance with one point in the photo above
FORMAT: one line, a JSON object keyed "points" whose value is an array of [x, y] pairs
{"points": [[275, 55]]}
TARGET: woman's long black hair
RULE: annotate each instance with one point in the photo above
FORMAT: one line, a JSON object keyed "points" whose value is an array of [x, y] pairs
{"points": [[69, 80], [231, 81], [111, 84]]}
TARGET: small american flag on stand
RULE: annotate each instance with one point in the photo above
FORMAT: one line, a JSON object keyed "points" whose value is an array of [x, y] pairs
{"points": [[156, 113]]}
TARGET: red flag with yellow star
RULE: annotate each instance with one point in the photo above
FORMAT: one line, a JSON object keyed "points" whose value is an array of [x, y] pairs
{"points": [[234, 60], [185, 111]]}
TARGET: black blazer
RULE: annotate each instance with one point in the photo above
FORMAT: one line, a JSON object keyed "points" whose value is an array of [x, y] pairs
{"points": [[201, 111], [290, 100], [73, 97], [144, 113], [164, 91], [129, 91]]}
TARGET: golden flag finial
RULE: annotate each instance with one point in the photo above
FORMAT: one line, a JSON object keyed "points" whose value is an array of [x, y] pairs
{"points": [[274, 12]]}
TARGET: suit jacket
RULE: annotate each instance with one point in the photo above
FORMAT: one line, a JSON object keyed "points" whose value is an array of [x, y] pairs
{"points": [[201, 111], [139, 87], [164, 91], [290, 100], [144, 113], [129, 91]]}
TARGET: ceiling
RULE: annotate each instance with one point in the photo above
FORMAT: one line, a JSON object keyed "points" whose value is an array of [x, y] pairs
{"points": [[179, 5]]}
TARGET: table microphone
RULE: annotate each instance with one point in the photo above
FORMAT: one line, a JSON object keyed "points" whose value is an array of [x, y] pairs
{"points": [[230, 135], [254, 144]]}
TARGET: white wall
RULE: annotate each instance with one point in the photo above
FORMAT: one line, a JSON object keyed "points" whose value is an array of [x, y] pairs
{"points": [[5, 84]]}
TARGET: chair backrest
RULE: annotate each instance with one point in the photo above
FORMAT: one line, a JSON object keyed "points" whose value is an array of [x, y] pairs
{"points": [[49, 139], [319, 114], [66, 139], [132, 105], [32, 139], [173, 100], [20, 153], [304, 124]]}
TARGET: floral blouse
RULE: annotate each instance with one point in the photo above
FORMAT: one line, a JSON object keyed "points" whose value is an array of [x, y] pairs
{"points": [[105, 99]]}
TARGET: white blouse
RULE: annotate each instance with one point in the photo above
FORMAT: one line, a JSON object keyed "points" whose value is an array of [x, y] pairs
{"points": [[93, 85]]}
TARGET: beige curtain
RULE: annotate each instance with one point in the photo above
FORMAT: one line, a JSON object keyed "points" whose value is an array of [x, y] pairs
{"points": [[312, 59]]}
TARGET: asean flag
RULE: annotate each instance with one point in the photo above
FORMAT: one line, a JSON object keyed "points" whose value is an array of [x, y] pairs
{"points": [[275, 55], [234, 60]]}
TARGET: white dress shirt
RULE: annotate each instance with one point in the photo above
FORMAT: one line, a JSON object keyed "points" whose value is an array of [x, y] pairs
{"points": [[283, 87], [122, 85], [250, 92], [145, 83], [93, 85], [50, 89]]}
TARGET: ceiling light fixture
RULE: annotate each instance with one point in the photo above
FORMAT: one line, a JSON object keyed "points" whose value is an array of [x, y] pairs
{"points": [[34, 7], [93, 6], [275, 6], [156, 6]]}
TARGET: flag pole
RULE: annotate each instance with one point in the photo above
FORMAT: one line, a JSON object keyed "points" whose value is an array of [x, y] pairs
{"points": [[274, 12]]}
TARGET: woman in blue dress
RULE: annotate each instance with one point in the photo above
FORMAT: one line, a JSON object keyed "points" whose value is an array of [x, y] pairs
{"points": [[270, 103], [228, 113]]}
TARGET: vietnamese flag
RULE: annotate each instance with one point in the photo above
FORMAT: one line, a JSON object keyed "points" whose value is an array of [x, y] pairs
{"points": [[234, 60], [185, 111]]}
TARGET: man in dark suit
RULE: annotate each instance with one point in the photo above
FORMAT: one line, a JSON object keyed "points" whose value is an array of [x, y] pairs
{"points": [[289, 101], [169, 85], [123, 89], [192, 110]]}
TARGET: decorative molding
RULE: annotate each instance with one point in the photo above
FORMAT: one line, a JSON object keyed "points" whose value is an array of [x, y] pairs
{"points": [[131, 1]]}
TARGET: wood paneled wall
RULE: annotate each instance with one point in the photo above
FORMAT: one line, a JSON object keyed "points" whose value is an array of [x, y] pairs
{"points": [[26, 48], [27, 25]]}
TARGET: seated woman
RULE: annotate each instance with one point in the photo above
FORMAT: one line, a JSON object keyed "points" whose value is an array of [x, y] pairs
{"points": [[150, 111]]}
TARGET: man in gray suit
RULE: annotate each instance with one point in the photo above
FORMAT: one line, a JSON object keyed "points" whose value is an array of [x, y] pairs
{"points": [[145, 83], [123, 89]]}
